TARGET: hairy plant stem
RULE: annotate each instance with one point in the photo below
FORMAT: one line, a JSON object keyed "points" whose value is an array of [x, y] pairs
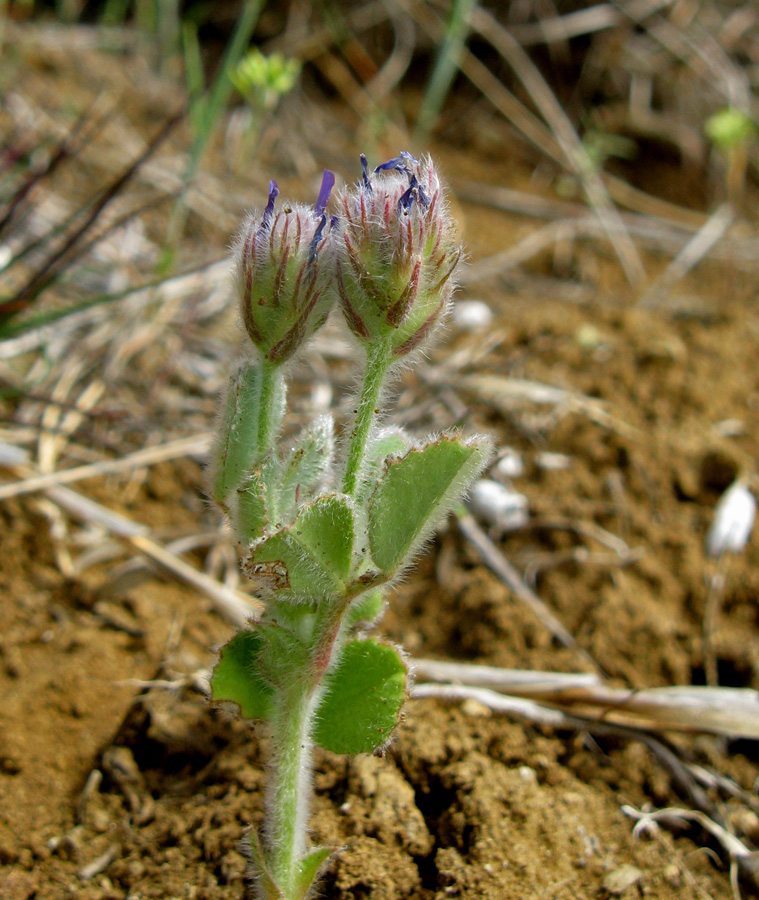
{"points": [[289, 784], [378, 359]]}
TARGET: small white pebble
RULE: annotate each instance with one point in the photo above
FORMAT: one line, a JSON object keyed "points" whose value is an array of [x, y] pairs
{"points": [[496, 504], [588, 336], [730, 428], [321, 396], [526, 773], [6, 255], [733, 521], [553, 462], [510, 463], [472, 707], [471, 315]]}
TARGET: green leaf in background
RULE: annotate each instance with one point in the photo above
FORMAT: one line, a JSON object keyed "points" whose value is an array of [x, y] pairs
{"points": [[306, 467], [414, 494], [311, 557], [363, 699], [237, 676], [308, 869]]}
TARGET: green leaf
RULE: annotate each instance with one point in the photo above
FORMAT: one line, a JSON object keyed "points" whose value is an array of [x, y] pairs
{"points": [[237, 676], [366, 608], [363, 699], [284, 652], [311, 557], [416, 492], [389, 442], [249, 514], [268, 886], [308, 869], [236, 451], [307, 467]]}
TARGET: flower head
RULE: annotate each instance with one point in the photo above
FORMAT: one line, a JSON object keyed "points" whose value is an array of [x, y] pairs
{"points": [[397, 253], [284, 273]]}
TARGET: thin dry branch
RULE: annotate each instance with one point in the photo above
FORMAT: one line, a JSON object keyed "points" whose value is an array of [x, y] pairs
{"points": [[732, 712], [190, 446]]}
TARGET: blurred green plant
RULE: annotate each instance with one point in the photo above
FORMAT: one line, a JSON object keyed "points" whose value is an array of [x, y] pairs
{"points": [[263, 80], [729, 128], [732, 132], [446, 65]]}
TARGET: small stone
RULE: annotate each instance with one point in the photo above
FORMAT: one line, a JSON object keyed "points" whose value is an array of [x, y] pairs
{"points": [[472, 707], [745, 821], [622, 879], [588, 336], [471, 315], [510, 463], [672, 875], [553, 462]]}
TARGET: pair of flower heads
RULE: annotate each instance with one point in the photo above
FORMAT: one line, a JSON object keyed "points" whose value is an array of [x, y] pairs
{"points": [[388, 257]]}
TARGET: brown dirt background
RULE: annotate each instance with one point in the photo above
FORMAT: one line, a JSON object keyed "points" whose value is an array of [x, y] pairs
{"points": [[465, 803]]}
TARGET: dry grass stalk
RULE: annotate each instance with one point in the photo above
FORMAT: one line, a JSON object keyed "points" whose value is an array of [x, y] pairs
{"points": [[732, 712], [575, 154], [236, 607], [694, 251], [190, 446]]}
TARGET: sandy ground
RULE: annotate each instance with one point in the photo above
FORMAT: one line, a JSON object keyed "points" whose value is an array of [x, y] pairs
{"points": [[112, 788]]}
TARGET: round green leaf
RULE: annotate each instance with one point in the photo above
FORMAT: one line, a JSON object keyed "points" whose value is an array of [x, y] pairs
{"points": [[363, 700], [237, 677]]}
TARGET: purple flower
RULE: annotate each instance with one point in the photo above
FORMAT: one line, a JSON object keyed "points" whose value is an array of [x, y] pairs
{"points": [[284, 272], [397, 253]]}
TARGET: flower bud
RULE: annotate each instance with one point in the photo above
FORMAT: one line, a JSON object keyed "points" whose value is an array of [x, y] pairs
{"points": [[397, 253], [284, 273]]}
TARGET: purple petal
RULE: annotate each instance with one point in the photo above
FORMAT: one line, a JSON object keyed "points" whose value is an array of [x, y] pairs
{"points": [[365, 167], [407, 199], [328, 182], [269, 211], [317, 237], [398, 162]]}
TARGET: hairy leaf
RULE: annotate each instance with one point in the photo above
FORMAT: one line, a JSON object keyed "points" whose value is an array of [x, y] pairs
{"points": [[387, 443], [268, 886], [363, 700], [416, 492], [308, 869], [236, 451], [237, 676], [306, 468], [366, 608], [249, 514], [311, 557]]}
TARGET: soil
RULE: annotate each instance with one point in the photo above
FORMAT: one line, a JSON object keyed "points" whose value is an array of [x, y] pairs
{"points": [[113, 787]]}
